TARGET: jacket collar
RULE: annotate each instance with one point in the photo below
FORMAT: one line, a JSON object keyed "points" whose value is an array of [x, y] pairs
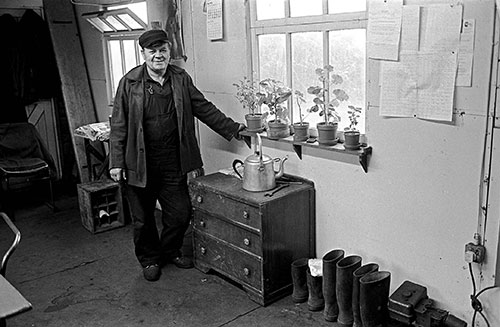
{"points": [[137, 73]]}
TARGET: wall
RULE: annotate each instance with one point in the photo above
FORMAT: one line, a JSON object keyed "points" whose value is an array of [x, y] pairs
{"points": [[416, 207]]}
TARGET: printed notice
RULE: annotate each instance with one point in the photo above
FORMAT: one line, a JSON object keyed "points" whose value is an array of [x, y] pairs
{"points": [[440, 28], [214, 20], [384, 29], [410, 28], [466, 53], [419, 85]]}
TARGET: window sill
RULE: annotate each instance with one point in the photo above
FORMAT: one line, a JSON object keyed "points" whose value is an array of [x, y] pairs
{"points": [[336, 152]]}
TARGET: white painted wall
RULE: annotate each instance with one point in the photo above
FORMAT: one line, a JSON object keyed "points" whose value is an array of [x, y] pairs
{"points": [[417, 206]]}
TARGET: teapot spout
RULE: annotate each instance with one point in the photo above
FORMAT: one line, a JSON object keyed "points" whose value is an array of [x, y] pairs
{"points": [[281, 170]]}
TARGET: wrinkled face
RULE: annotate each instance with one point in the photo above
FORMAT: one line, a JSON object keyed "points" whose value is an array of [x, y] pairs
{"points": [[157, 57]]}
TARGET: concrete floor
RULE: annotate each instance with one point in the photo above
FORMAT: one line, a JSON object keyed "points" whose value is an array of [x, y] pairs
{"points": [[75, 278]]}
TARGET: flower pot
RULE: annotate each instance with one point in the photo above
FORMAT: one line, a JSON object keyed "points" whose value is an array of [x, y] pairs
{"points": [[351, 141], [277, 130], [255, 123], [327, 134], [301, 132]]}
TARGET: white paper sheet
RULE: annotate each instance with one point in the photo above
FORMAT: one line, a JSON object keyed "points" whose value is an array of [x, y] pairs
{"points": [[436, 85], [398, 94], [440, 27], [214, 20], [466, 53], [384, 29], [419, 85], [410, 28]]}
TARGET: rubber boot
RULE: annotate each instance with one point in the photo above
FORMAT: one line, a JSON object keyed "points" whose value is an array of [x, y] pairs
{"points": [[345, 270], [331, 311], [299, 280], [373, 298], [315, 302], [358, 273]]}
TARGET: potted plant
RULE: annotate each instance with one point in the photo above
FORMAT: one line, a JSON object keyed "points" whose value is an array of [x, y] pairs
{"points": [[273, 94], [351, 133], [247, 94], [326, 102], [301, 128]]}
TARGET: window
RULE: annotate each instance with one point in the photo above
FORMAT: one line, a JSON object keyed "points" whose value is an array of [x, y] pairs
{"points": [[121, 26], [291, 38]]}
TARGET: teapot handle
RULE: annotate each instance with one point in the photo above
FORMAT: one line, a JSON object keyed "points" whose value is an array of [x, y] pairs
{"points": [[235, 162]]}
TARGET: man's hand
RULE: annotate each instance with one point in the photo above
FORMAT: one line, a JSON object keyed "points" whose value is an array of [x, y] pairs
{"points": [[117, 174], [240, 129]]}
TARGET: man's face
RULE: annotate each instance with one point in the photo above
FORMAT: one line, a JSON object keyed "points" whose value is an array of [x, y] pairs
{"points": [[157, 57]]}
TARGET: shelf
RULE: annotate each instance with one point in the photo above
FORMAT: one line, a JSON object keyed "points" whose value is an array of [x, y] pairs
{"points": [[335, 152]]}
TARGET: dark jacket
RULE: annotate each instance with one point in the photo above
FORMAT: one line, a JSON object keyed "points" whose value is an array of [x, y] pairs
{"points": [[127, 149]]}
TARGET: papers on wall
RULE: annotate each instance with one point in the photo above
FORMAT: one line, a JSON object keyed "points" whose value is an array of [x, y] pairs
{"points": [[214, 20], [384, 29], [420, 85], [466, 53]]}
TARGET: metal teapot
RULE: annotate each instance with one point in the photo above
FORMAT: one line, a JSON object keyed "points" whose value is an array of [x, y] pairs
{"points": [[259, 174]]}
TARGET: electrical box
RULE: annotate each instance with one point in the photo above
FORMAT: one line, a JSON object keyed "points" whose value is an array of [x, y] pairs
{"points": [[474, 253]]}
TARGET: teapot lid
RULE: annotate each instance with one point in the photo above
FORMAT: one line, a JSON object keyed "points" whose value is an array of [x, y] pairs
{"points": [[255, 158]]}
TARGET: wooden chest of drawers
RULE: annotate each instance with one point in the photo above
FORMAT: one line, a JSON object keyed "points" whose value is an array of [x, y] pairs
{"points": [[251, 238]]}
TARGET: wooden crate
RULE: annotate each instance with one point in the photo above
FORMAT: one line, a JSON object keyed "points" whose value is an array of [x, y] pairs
{"points": [[101, 206]]}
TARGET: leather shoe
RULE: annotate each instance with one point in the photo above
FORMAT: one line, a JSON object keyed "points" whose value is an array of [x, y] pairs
{"points": [[182, 262], [152, 272]]}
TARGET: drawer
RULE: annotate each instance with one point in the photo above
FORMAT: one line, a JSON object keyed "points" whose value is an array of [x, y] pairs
{"points": [[222, 206], [240, 266], [228, 232]]}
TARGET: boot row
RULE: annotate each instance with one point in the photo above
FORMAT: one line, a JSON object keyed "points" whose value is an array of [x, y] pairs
{"points": [[349, 293]]}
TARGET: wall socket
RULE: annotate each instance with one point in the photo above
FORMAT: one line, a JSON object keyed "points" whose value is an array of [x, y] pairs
{"points": [[474, 253]]}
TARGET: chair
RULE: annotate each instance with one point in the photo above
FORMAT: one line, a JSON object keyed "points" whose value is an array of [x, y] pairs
{"points": [[24, 160], [11, 301]]}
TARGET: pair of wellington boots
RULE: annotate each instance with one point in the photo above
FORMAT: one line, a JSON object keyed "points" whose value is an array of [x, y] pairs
{"points": [[361, 291], [348, 293], [306, 287]]}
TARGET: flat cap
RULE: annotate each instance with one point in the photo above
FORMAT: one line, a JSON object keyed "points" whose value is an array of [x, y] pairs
{"points": [[151, 37]]}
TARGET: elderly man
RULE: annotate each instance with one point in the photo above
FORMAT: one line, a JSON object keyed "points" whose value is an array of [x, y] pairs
{"points": [[153, 146]]}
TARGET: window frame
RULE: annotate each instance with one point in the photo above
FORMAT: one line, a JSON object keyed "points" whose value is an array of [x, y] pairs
{"points": [[120, 36], [289, 25]]}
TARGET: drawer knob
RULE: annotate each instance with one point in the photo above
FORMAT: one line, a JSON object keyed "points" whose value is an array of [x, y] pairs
{"points": [[246, 241], [203, 250], [202, 223], [246, 271], [199, 199], [245, 214]]}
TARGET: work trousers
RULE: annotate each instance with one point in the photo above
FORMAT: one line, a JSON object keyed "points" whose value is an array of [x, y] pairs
{"points": [[170, 189]]}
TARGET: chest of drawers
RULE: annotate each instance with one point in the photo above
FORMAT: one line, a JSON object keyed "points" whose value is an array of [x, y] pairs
{"points": [[250, 238]]}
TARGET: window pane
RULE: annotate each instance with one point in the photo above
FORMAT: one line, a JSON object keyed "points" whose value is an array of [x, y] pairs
{"points": [[272, 56], [340, 6], [102, 26], [306, 8], [347, 56], [115, 60], [270, 9], [115, 23], [307, 55], [140, 9], [132, 23], [129, 49]]}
